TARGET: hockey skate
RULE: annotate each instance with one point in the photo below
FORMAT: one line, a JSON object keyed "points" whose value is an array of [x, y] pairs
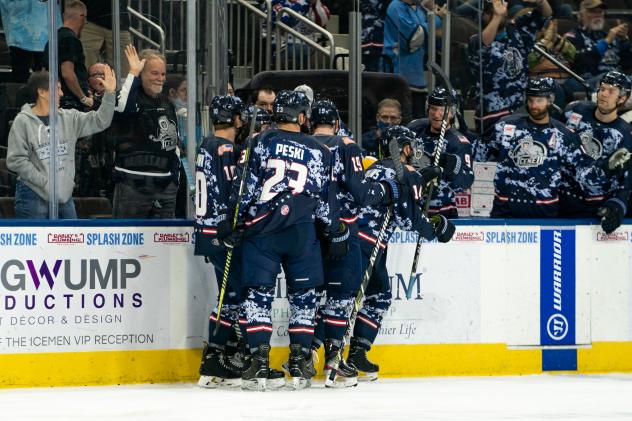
{"points": [[257, 370], [359, 360], [216, 370], [346, 376], [300, 368]]}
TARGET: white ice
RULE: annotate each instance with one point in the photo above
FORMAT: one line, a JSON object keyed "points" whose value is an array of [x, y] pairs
{"points": [[545, 397]]}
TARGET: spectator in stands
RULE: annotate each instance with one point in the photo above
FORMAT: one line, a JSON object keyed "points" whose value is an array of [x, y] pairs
{"points": [[501, 53], [95, 75], [373, 15], [598, 51], [97, 36], [264, 98], [230, 91], [29, 149], [25, 24], [176, 89], [389, 113], [73, 73], [146, 142], [406, 38]]}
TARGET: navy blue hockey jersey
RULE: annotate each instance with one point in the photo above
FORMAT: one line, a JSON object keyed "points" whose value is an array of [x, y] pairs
{"points": [[353, 189], [408, 211], [289, 181], [598, 141], [456, 144], [214, 173], [530, 159]]}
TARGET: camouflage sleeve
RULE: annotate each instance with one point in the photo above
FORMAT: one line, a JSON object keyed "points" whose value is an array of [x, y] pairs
{"points": [[252, 181]]}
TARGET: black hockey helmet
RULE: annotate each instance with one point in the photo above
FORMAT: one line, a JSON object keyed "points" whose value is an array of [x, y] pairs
{"points": [[288, 105], [401, 134], [224, 108], [439, 97], [324, 112], [263, 118], [540, 86], [619, 80]]}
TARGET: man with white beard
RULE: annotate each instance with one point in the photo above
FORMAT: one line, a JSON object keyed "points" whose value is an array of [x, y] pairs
{"points": [[598, 50]]}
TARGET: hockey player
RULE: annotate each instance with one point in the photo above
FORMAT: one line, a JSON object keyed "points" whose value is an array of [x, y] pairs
{"points": [[408, 216], [531, 150], [602, 133], [215, 170], [457, 156], [288, 186], [343, 277]]}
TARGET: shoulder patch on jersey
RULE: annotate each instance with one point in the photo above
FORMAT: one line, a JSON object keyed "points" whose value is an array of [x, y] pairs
{"points": [[574, 119], [463, 139], [222, 149], [553, 141], [509, 130], [347, 140]]}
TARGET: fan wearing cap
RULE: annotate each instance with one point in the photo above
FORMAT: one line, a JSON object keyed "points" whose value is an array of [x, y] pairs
{"points": [[288, 187], [602, 133], [456, 158], [598, 50], [501, 53], [215, 172], [532, 150]]}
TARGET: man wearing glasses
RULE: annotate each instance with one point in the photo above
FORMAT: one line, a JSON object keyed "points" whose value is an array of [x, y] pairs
{"points": [[389, 113]]}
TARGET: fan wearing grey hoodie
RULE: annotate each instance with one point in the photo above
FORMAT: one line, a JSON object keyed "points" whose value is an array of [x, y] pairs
{"points": [[29, 151]]}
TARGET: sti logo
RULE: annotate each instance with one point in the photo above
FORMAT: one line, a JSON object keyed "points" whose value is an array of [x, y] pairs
{"points": [[557, 327]]}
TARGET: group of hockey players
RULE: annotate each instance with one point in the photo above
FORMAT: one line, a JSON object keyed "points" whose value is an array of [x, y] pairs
{"points": [[282, 198]]}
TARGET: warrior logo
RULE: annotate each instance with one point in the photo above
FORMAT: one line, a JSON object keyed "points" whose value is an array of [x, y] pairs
{"points": [[512, 62], [591, 146], [167, 134], [529, 153]]}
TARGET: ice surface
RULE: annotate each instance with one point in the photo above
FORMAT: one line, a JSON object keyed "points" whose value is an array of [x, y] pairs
{"points": [[545, 397]]}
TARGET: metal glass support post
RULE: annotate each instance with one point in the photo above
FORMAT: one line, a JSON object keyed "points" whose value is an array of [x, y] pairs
{"points": [[432, 48], [191, 91], [53, 208], [446, 35], [116, 33], [355, 73]]}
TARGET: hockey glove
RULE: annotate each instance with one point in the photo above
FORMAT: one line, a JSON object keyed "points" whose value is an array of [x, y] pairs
{"points": [[338, 243], [234, 239], [224, 228], [428, 174], [443, 229], [611, 213], [451, 165]]}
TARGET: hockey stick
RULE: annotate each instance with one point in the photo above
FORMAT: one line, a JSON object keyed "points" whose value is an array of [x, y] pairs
{"points": [[242, 187], [360, 295], [437, 153]]}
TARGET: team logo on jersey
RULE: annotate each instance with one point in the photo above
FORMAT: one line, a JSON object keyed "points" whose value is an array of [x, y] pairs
{"points": [[512, 59], [591, 146], [529, 153], [167, 134], [285, 209]]}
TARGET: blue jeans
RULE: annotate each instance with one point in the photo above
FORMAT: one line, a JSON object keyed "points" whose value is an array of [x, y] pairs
{"points": [[28, 205]]}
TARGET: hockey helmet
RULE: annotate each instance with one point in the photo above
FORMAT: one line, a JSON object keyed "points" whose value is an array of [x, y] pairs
{"points": [[263, 118], [439, 97], [540, 86], [619, 80], [324, 112], [224, 108], [288, 105], [401, 134]]}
